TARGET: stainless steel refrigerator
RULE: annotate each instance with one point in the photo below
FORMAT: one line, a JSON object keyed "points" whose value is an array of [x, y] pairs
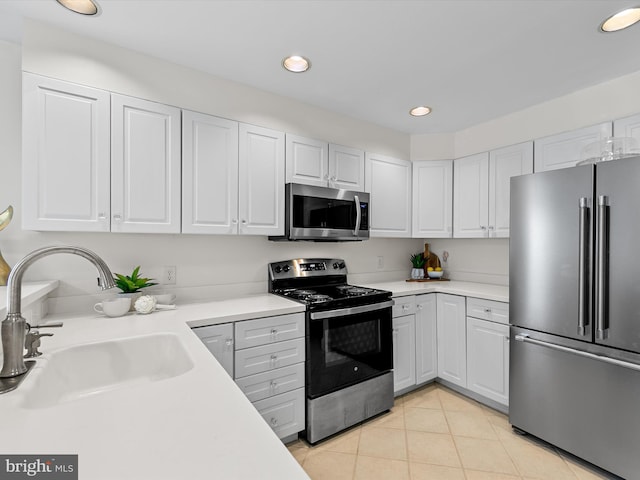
{"points": [[574, 299]]}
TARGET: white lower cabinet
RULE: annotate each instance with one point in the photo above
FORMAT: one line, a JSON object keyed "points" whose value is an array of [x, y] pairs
{"points": [[404, 352], [266, 358], [414, 341], [219, 341], [426, 338], [488, 349], [452, 341], [284, 413]]}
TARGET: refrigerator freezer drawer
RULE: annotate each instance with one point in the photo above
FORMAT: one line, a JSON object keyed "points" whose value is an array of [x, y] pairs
{"points": [[583, 405]]}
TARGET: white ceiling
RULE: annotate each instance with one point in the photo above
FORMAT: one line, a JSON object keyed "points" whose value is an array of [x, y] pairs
{"points": [[471, 60]]}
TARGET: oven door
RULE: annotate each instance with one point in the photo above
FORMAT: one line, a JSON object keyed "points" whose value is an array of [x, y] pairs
{"points": [[320, 213], [347, 346]]}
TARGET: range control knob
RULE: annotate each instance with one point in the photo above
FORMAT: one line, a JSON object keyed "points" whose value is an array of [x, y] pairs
{"points": [[286, 268], [278, 269], [336, 265], [342, 265]]}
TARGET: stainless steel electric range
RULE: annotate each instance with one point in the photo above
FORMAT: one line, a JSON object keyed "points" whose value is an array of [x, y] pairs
{"points": [[349, 347]]}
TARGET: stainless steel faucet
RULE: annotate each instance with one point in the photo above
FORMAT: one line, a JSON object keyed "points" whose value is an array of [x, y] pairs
{"points": [[14, 325]]}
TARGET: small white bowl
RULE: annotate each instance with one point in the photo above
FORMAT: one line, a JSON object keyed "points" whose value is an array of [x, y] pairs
{"points": [[435, 274]]}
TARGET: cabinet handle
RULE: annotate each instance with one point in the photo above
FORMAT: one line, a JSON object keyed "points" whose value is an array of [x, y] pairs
{"points": [[102, 216], [273, 386], [274, 332], [487, 310], [274, 359], [244, 222], [419, 306], [117, 218], [229, 342], [405, 307], [234, 221], [490, 233], [273, 422]]}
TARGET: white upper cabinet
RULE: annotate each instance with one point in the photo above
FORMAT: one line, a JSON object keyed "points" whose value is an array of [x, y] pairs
{"points": [[209, 174], [505, 163], [261, 181], [145, 166], [307, 161], [346, 168], [388, 180], [432, 199], [564, 150], [471, 196], [628, 127], [65, 166], [482, 183], [313, 162]]}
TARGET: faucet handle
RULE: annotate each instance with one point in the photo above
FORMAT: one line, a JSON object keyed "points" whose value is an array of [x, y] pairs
{"points": [[32, 342], [47, 325]]}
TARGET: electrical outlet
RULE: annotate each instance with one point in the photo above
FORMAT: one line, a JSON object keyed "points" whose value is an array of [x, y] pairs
{"points": [[169, 275], [380, 262]]}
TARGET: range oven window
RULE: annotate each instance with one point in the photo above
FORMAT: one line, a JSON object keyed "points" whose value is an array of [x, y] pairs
{"points": [[316, 212], [345, 350]]}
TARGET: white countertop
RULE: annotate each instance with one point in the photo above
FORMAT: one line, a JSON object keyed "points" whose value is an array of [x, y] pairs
{"points": [[198, 425], [498, 293], [31, 291]]}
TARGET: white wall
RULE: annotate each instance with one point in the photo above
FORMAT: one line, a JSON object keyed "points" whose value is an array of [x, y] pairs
{"points": [[484, 260], [207, 266]]}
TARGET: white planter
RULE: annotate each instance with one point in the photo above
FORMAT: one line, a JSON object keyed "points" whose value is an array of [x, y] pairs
{"points": [[417, 273]]}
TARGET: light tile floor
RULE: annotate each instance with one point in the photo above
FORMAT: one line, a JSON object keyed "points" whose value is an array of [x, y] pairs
{"points": [[435, 433]]}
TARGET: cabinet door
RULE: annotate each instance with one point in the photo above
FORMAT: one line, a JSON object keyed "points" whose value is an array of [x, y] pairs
{"points": [[388, 180], [432, 199], [145, 166], [628, 127], [261, 181], [209, 174], [488, 359], [219, 341], [471, 196], [404, 352], [565, 149], [306, 161], [346, 168], [505, 163], [426, 339], [65, 166], [452, 344]]}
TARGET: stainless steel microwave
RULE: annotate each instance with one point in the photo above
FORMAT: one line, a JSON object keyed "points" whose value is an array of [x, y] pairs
{"points": [[325, 214]]}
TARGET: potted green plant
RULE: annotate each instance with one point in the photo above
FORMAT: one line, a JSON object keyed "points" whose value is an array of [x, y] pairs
{"points": [[131, 285], [418, 261]]}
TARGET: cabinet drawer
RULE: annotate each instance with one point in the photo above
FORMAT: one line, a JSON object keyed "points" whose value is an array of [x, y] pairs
{"points": [[263, 331], [268, 357], [283, 413], [274, 382], [488, 310], [404, 306]]}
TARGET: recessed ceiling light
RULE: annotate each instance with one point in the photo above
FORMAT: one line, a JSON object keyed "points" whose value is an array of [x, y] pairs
{"points": [[296, 64], [84, 7], [420, 111], [621, 20]]}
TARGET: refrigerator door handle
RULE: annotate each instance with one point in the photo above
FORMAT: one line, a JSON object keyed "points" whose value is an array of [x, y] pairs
{"points": [[584, 286], [602, 288], [523, 337]]}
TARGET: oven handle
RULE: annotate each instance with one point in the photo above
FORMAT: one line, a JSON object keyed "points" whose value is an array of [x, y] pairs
{"points": [[341, 312]]}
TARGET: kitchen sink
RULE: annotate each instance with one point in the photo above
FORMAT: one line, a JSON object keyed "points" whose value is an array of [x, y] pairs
{"points": [[91, 369]]}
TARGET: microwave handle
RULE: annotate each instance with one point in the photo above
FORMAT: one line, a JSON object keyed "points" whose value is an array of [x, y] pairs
{"points": [[358, 216]]}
